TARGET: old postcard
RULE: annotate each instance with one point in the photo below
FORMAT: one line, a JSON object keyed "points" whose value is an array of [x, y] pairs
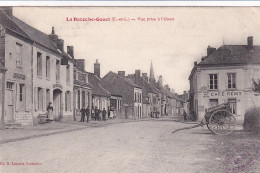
{"points": [[129, 89]]}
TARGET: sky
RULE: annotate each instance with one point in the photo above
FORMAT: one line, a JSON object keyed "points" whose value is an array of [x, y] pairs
{"points": [[172, 46]]}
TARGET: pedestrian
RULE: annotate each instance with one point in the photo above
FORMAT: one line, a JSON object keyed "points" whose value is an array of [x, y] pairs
{"points": [[185, 115], [99, 116], [50, 112], [104, 112], [93, 112], [82, 111], [87, 113], [96, 113]]}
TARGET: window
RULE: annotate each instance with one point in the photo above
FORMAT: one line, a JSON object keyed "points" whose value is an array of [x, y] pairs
{"points": [[48, 67], [88, 99], [39, 64], [40, 99], [233, 105], [77, 75], [86, 78], [21, 97], [231, 80], [57, 70], [18, 55], [68, 74], [67, 101], [213, 81], [78, 99], [135, 97], [48, 97], [213, 102], [9, 85], [83, 98]]}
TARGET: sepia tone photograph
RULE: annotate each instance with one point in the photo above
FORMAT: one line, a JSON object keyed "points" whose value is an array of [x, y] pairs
{"points": [[129, 89]]}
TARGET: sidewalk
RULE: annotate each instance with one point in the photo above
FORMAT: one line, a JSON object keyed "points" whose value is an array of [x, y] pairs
{"points": [[12, 135]]}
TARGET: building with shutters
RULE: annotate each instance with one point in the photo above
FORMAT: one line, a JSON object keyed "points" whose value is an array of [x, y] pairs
{"points": [[82, 88], [120, 85], [225, 75], [39, 72], [100, 95], [16, 56]]}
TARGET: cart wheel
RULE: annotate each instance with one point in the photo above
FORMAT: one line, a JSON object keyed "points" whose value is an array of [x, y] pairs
{"points": [[221, 122]]}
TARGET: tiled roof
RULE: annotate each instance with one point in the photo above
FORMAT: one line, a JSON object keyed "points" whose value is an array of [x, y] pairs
{"points": [[115, 84], [233, 55], [113, 76], [36, 35], [8, 23], [142, 83], [97, 88]]}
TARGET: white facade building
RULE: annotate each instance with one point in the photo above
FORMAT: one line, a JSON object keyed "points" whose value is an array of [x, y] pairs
{"points": [[226, 75]]}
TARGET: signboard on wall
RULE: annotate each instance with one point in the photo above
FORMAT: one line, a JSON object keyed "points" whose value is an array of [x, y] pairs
{"points": [[222, 94]]}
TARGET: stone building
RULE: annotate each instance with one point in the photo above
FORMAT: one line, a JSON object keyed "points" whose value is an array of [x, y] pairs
{"points": [[225, 75], [2, 92], [120, 85], [39, 72], [100, 95], [82, 87], [16, 49], [148, 92]]}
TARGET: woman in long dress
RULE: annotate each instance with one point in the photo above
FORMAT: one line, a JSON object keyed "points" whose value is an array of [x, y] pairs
{"points": [[50, 112]]}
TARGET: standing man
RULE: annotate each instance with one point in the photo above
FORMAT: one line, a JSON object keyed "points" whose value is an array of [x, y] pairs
{"points": [[96, 113], [87, 113], [104, 112], [82, 110]]}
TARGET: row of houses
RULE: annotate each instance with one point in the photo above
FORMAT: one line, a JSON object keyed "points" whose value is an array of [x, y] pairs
{"points": [[35, 69], [226, 74]]}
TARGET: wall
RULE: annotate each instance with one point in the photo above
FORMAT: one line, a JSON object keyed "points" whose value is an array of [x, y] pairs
{"points": [[243, 93], [50, 83], [18, 74]]}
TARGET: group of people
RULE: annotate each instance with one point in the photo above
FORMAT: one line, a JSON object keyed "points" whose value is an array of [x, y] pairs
{"points": [[84, 112], [95, 112]]}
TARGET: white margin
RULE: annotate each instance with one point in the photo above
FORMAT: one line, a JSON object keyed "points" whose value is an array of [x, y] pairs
{"points": [[130, 3]]}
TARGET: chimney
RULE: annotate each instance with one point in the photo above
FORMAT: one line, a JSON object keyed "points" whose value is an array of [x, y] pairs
{"points": [[250, 43], [53, 37], [7, 10], [210, 50], [137, 75], [144, 75], [81, 64], [70, 51], [195, 63], [160, 79], [97, 69], [60, 44], [121, 74]]}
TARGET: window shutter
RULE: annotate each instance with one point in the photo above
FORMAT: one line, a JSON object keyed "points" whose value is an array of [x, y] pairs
{"points": [[16, 97], [35, 98], [44, 107]]}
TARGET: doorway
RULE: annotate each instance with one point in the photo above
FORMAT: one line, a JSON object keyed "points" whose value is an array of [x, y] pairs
{"points": [[9, 115], [57, 104]]}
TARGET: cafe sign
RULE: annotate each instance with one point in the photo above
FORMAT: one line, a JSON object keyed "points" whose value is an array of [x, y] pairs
{"points": [[222, 94]]}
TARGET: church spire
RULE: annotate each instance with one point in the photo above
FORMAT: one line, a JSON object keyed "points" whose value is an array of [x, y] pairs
{"points": [[151, 79]]}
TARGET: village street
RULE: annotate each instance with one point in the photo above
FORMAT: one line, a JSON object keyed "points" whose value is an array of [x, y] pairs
{"points": [[146, 146]]}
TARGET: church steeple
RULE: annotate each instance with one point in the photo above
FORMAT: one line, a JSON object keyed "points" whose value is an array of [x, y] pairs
{"points": [[151, 79]]}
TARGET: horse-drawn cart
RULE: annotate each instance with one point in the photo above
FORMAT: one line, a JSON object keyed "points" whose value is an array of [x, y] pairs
{"points": [[219, 120]]}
